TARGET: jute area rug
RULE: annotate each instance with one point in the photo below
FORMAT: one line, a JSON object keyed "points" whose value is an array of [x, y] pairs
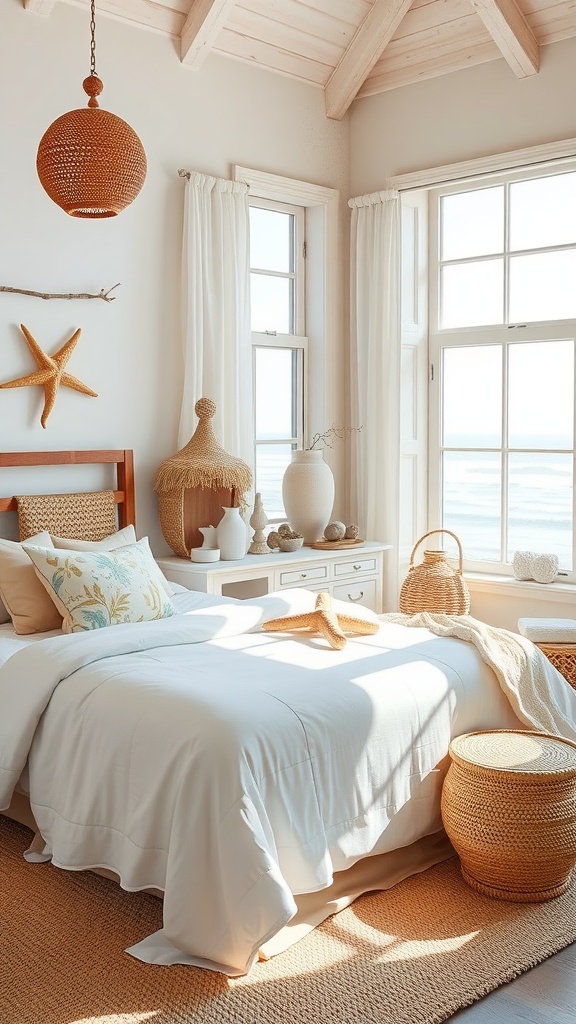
{"points": [[412, 955]]}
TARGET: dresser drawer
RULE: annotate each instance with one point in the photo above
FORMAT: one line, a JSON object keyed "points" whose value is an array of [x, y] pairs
{"points": [[363, 592], [302, 577], [355, 567]]}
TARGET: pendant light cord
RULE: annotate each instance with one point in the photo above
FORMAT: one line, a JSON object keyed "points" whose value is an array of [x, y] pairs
{"points": [[93, 37]]}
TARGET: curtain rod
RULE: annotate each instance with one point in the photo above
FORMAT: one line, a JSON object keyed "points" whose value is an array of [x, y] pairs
{"points": [[183, 174]]}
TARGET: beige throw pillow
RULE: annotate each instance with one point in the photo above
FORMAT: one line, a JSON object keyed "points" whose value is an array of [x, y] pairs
{"points": [[25, 599]]}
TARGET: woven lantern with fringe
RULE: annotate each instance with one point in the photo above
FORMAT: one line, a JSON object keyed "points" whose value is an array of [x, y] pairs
{"points": [[90, 162], [196, 484]]}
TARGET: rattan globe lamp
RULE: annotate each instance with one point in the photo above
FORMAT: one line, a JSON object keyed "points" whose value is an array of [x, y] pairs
{"points": [[90, 162]]}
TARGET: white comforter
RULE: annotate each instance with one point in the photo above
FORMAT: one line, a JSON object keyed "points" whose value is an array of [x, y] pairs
{"points": [[234, 769]]}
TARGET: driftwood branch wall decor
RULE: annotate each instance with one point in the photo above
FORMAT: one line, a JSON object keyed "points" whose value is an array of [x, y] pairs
{"points": [[63, 295], [50, 373]]}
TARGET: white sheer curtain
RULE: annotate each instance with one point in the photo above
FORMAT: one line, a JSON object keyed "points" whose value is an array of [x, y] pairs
{"points": [[216, 311], [375, 374]]}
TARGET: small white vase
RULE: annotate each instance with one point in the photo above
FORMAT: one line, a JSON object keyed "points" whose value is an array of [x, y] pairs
{"points": [[209, 535], [308, 494], [231, 535]]}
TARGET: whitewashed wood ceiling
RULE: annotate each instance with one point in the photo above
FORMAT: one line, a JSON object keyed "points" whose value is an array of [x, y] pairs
{"points": [[351, 48]]}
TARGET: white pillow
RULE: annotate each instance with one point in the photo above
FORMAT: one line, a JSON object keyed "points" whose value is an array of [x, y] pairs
{"points": [[116, 540], [127, 535], [92, 589]]}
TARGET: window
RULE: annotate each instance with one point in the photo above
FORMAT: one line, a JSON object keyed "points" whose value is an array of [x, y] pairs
{"points": [[502, 335], [277, 289]]}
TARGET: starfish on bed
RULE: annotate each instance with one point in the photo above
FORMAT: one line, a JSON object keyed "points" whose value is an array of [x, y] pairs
{"points": [[324, 620], [50, 373]]}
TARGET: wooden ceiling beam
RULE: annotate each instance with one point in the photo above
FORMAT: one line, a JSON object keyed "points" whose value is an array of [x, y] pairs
{"points": [[366, 47], [511, 33], [201, 28], [39, 6]]}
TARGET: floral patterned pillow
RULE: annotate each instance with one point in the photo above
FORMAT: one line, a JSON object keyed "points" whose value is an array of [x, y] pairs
{"points": [[92, 589]]}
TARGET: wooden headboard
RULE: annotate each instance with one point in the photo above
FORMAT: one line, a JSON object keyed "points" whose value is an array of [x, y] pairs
{"points": [[122, 458]]}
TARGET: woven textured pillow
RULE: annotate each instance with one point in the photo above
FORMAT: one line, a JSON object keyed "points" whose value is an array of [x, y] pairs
{"points": [[92, 589], [87, 516]]}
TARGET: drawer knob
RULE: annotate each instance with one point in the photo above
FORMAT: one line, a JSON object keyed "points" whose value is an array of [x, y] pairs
{"points": [[303, 575], [359, 598], [357, 567]]}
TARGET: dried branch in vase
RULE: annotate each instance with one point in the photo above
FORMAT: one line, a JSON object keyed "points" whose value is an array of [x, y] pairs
{"points": [[331, 435]]}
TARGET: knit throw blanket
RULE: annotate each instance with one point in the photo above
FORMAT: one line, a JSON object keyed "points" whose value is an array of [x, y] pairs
{"points": [[538, 693]]}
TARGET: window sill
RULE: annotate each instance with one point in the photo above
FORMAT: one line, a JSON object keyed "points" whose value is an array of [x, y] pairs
{"points": [[511, 587]]}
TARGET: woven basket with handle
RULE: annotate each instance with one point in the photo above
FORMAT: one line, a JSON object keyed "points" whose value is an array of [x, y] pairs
{"points": [[435, 585]]}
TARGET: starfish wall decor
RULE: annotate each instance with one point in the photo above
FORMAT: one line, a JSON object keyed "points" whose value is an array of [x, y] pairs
{"points": [[50, 373]]}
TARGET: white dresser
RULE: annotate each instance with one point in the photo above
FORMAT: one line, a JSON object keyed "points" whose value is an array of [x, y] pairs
{"points": [[349, 574]]}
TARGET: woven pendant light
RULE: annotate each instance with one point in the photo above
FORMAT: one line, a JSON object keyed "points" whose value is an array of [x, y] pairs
{"points": [[90, 162]]}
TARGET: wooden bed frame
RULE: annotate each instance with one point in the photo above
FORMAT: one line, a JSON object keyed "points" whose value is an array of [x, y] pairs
{"points": [[122, 458]]}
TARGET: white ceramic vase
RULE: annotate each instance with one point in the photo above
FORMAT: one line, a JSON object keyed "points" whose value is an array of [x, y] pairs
{"points": [[308, 494], [209, 535], [231, 535]]}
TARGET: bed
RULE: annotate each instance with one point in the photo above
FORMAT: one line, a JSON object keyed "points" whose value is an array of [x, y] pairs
{"points": [[257, 781]]}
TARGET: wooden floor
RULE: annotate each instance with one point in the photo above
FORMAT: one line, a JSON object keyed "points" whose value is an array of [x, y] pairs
{"points": [[546, 994]]}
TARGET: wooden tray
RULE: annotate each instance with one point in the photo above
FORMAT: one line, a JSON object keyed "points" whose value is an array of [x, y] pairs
{"points": [[333, 545]]}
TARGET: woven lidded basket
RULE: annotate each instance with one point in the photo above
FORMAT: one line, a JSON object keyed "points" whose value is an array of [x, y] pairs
{"points": [[435, 584], [509, 809]]}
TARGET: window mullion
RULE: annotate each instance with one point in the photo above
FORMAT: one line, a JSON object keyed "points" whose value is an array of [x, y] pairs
{"points": [[506, 256], [504, 469]]}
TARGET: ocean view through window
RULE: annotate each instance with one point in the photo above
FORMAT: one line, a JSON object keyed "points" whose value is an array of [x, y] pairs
{"points": [[503, 328]]}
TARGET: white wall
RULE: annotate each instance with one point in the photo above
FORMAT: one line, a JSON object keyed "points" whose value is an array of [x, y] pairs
{"points": [[482, 110], [129, 350]]}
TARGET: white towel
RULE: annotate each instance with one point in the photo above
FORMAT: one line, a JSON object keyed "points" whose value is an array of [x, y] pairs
{"points": [[548, 631]]}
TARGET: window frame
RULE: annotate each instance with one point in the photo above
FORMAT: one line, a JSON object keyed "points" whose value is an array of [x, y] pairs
{"points": [[502, 335], [295, 342], [298, 274], [324, 322]]}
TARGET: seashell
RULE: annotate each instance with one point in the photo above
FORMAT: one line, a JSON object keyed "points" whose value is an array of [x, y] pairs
{"points": [[526, 565], [335, 531], [273, 539], [545, 568], [523, 564], [352, 532], [284, 529]]}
